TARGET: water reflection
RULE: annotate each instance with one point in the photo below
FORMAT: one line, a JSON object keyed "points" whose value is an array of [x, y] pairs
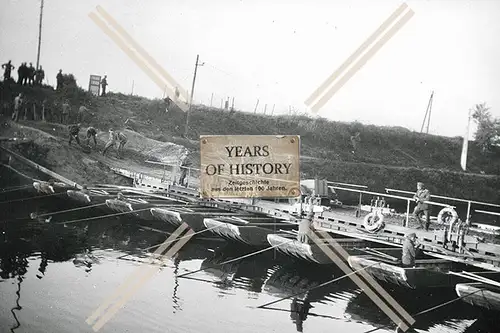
{"points": [[298, 312], [86, 244], [14, 265], [296, 284], [248, 274]]}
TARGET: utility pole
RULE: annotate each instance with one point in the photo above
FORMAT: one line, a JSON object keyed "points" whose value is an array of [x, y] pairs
{"points": [[39, 35], [211, 99], [427, 114], [132, 93], [255, 111], [192, 94]]}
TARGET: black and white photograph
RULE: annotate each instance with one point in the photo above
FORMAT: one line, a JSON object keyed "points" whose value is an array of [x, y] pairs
{"points": [[250, 166]]}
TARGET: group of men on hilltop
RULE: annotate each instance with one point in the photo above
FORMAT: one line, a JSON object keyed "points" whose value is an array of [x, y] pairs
{"points": [[30, 76], [26, 75]]}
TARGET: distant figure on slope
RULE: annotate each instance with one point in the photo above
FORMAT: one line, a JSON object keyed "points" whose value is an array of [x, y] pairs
{"points": [[104, 84], [409, 250], [111, 141], [91, 133], [8, 70], [122, 140], [74, 130], [65, 112], [18, 103], [421, 196], [354, 142], [81, 113]]}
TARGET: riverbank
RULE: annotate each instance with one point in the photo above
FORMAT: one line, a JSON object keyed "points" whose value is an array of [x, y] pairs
{"points": [[385, 157]]}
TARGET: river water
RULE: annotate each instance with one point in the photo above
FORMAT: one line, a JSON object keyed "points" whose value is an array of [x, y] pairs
{"points": [[53, 277]]}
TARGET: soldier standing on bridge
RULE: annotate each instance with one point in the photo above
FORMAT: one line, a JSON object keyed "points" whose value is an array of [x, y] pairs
{"points": [[306, 223], [421, 196], [184, 166]]}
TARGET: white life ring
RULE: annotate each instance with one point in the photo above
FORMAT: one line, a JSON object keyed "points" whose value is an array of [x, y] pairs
{"points": [[373, 221], [447, 211]]}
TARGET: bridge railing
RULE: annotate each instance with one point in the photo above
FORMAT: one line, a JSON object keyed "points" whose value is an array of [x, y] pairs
{"points": [[469, 203], [408, 200], [174, 173]]}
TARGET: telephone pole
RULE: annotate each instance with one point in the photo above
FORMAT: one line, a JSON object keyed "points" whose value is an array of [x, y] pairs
{"points": [[192, 93], [427, 115], [39, 35]]}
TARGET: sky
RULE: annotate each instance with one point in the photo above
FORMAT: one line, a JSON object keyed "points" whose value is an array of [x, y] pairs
{"points": [[278, 52]]}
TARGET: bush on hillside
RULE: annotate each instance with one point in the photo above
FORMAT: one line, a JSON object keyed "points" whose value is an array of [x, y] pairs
{"points": [[488, 128]]}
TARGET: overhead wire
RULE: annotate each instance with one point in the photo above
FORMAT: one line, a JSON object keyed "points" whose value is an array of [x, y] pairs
{"points": [[69, 210], [15, 188], [103, 216], [35, 197]]}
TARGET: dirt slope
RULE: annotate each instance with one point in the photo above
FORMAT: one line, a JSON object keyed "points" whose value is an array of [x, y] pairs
{"points": [[47, 144]]}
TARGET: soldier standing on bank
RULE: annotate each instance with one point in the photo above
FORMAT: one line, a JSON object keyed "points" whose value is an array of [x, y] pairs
{"points": [[59, 79], [104, 84], [8, 70], [39, 76], [31, 75]]}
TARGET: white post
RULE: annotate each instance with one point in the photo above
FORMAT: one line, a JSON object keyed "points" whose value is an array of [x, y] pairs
{"points": [[407, 213], [467, 220]]}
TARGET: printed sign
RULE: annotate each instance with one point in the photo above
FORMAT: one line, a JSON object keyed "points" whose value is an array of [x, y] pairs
{"points": [[250, 166], [94, 84]]}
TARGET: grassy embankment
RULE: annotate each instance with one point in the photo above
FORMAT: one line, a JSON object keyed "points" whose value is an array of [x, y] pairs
{"points": [[391, 157]]}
